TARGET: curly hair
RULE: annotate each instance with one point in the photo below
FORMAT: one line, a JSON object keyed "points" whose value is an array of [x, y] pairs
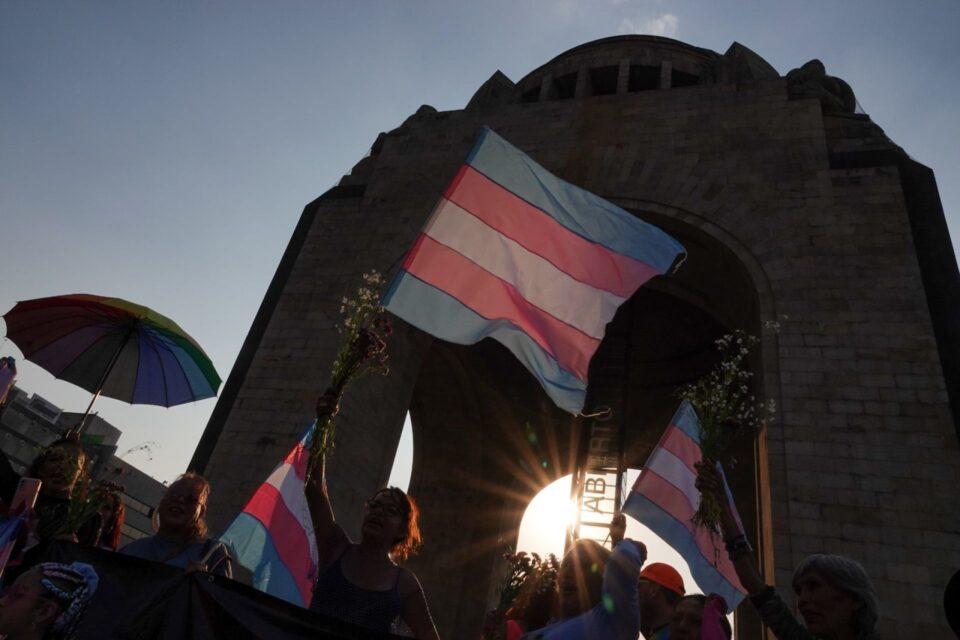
{"points": [[63, 443], [112, 526], [407, 544]]}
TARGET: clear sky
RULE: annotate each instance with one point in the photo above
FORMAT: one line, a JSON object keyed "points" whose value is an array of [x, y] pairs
{"points": [[162, 151]]}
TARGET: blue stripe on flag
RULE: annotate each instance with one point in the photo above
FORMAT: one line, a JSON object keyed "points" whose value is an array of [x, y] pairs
{"points": [[251, 545], [580, 211], [445, 317], [676, 534], [686, 420]]}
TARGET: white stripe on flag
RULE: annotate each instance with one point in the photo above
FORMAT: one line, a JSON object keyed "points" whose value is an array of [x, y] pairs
{"points": [[285, 480], [541, 283], [673, 470]]}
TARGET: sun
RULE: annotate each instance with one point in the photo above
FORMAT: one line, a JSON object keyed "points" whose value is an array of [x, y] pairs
{"points": [[543, 528]]}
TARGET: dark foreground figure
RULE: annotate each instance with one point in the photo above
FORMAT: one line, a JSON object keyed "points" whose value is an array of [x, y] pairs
{"points": [[141, 600]]}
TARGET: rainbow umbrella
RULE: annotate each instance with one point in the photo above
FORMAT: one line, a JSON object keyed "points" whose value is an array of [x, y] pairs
{"points": [[112, 347]]}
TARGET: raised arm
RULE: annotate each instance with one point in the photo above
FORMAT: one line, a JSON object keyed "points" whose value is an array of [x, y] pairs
{"points": [[315, 489], [771, 607], [414, 609], [619, 612], [709, 481]]}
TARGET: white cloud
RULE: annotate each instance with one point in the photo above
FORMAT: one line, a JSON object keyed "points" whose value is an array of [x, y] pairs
{"points": [[564, 8], [665, 24]]}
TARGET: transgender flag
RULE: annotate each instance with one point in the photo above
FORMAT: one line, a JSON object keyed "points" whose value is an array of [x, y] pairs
{"points": [[514, 253], [665, 497], [273, 535]]}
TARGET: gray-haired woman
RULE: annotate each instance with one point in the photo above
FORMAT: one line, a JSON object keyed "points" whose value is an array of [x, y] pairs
{"points": [[834, 593]]}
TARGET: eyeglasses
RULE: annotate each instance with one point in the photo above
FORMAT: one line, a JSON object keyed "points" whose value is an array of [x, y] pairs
{"points": [[381, 506]]}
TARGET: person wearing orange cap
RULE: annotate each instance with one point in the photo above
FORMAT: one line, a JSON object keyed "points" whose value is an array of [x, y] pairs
{"points": [[660, 590]]}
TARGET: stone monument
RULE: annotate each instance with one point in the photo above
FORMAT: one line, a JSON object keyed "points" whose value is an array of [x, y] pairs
{"points": [[796, 211]]}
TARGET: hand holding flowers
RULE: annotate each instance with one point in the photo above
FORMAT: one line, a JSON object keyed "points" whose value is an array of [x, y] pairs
{"points": [[365, 329], [727, 409]]}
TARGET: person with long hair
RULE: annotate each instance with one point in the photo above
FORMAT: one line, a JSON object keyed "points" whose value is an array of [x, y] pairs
{"points": [[181, 539], [61, 468], [113, 514], [47, 602], [362, 582], [834, 594]]}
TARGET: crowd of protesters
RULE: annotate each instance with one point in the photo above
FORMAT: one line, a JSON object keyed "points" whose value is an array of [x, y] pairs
{"points": [[598, 594]]}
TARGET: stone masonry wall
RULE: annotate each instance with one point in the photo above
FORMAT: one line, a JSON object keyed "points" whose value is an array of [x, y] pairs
{"points": [[863, 458]]}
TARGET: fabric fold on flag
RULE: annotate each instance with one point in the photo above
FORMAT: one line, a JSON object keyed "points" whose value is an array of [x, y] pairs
{"points": [[273, 535], [514, 253], [664, 499]]}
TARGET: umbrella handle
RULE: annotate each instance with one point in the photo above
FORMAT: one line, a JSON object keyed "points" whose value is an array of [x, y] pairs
{"points": [[78, 429]]}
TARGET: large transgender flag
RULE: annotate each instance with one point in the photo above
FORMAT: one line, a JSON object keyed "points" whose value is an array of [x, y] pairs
{"points": [[273, 535], [514, 253], [665, 497]]}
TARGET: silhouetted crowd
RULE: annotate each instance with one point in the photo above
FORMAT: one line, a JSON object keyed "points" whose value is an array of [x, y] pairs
{"points": [[598, 594]]}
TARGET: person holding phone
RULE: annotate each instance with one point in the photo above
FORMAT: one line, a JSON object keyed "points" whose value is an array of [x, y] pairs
{"points": [[61, 468]]}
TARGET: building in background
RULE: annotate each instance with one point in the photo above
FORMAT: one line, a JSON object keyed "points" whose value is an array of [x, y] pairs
{"points": [[30, 422], [141, 496]]}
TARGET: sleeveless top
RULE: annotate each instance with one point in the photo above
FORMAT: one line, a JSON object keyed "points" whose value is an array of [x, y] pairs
{"points": [[335, 596]]}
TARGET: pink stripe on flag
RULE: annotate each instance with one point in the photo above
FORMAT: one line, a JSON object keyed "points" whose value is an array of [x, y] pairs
{"points": [[520, 221], [673, 470], [298, 458], [286, 531], [285, 480], [675, 503], [679, 444], [539, 281], [493, 298]]}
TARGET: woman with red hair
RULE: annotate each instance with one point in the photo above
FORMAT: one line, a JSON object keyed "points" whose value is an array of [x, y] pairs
{"points": [[112, 514], [360, 582]]}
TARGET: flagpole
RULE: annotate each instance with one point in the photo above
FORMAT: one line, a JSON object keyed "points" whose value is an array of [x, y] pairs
{"points": [[624, 410]]}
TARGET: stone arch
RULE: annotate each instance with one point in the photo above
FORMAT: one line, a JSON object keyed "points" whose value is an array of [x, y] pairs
{"points": [[769, 456], [825, 202], [488, 439]]}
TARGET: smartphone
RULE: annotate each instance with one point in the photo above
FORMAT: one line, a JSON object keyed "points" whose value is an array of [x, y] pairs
{"points": [[26, 495]]}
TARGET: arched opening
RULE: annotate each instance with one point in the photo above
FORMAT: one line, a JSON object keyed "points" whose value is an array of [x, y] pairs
{"points": [[489, 440], [403, 459]]}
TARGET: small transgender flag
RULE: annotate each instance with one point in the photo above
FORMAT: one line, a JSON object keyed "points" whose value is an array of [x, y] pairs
{"points": [[514, 253], [273, 535], [665, 498]]}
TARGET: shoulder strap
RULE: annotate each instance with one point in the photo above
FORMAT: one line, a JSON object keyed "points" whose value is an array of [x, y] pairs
{"points": [[207, 548]]}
